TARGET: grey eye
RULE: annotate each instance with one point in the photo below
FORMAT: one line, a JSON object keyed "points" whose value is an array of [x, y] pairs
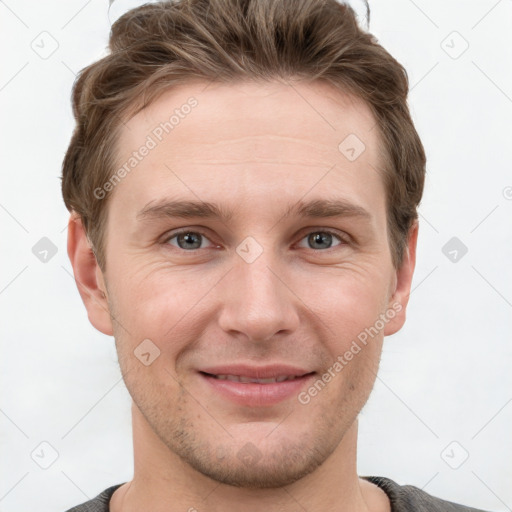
{"points": [[187, 240], [321, 240]]}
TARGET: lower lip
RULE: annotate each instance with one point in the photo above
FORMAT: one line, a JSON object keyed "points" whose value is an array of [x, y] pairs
{"points": [[253, 394]]}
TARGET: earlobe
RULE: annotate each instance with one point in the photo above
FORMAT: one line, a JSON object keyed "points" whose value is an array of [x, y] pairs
{"points": [[88, 276], [400, 298]]}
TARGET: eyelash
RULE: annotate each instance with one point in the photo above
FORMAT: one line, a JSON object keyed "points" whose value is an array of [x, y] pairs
{"points": [[343, 240]]}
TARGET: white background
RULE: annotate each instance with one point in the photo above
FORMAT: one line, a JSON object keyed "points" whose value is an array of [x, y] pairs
{"points": [[445, 377]]}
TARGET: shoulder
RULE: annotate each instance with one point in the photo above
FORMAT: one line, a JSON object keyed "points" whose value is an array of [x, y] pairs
{"points": [[405, 498], [98, 504]]}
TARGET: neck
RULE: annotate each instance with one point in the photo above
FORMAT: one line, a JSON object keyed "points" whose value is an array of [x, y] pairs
{"points": [[164, 482]]}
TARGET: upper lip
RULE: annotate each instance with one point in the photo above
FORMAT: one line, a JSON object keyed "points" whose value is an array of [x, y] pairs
{"points": [[257, 372]]}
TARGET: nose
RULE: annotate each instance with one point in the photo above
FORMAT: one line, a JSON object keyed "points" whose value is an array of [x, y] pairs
{"points": [[257, 300]]}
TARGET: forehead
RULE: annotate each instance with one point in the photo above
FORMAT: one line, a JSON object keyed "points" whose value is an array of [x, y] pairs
{"points": [[314, 112], [245, 134]]}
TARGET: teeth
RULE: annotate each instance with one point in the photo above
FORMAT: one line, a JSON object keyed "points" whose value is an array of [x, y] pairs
{"points": [[241, 378], [266, 381]]}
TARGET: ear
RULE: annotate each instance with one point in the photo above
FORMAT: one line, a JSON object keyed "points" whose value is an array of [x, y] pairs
{"points": [[400, 296], [88, 276]]}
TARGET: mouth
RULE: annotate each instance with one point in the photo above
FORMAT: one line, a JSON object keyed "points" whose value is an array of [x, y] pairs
{"points": [[256, 387], [248, 380]]}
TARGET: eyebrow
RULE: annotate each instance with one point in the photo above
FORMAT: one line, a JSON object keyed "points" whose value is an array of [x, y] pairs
{"points": [[318, 208]]}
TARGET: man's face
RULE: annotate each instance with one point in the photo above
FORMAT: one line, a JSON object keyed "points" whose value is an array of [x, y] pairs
{"points": [[260, 293]]}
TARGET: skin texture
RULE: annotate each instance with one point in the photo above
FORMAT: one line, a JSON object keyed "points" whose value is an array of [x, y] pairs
{"points": [[255, 149]]}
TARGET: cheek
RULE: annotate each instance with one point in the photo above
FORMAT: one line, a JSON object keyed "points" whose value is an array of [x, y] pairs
{"points": [[143, 298], [156, 301], [347, 302], [160, 305], [356, 337]]}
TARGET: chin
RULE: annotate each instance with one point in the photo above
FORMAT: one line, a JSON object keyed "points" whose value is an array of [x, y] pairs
{"points": [[249, 467]]}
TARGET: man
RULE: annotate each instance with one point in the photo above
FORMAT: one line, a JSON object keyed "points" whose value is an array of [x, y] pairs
{"points": [[243, 183]]}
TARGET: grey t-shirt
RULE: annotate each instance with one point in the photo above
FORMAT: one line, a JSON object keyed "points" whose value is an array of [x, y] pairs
{"points": [[403, 498]]}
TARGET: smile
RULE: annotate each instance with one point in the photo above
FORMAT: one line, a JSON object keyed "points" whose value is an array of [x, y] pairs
{"points": [[244, 379], [251, 386]]}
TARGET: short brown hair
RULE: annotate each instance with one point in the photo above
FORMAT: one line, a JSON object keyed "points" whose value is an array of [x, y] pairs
{"points": [[157, 46]]}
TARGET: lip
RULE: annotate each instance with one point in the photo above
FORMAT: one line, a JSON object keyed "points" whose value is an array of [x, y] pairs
{"points": [[256, 394]]}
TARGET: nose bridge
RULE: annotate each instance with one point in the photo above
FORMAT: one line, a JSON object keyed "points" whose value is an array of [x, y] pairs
{"points": [[257, 302]]}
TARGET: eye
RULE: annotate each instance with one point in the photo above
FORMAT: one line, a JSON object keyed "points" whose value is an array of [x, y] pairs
{"points": [[323, 240], [187, 240]]}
